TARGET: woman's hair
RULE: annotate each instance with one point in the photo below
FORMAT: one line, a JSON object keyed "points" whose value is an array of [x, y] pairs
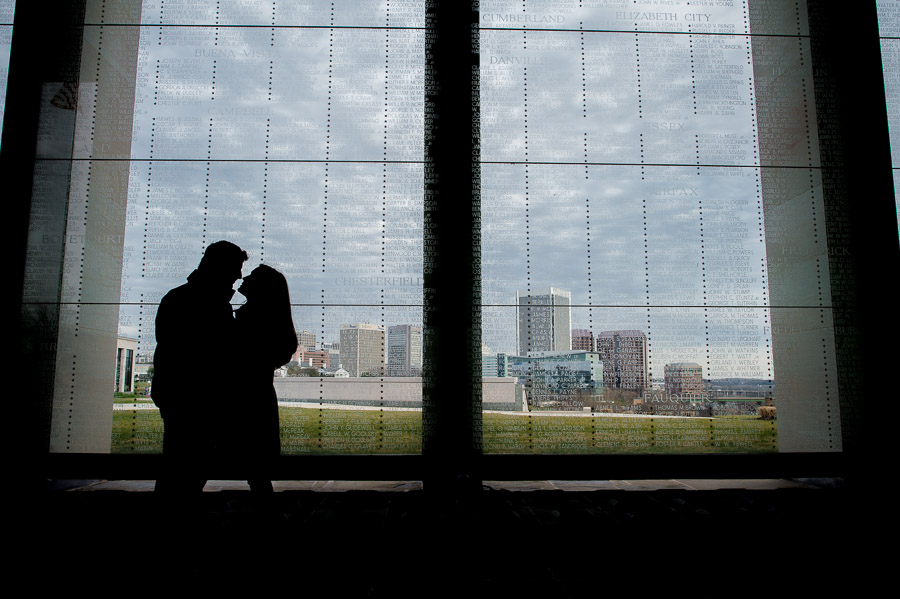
{"points": [[271, 296]]}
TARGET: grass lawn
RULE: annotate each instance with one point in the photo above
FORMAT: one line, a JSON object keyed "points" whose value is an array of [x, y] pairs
{"points": [[326, 431], [617, 435], [137, 431]]}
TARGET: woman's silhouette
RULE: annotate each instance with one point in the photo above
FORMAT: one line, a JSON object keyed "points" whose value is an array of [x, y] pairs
{"points": [[266, 340]]}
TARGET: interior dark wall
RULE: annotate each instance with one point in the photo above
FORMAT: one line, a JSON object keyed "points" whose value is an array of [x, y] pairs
{"points": [[45, 52], [861, 218]]}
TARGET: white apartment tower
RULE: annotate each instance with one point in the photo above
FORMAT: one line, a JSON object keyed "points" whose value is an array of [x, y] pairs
{"points": [[544, 320], [362, 349]]}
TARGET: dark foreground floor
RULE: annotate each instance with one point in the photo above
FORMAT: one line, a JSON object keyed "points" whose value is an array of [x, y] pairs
{"points": [[496, 543]]}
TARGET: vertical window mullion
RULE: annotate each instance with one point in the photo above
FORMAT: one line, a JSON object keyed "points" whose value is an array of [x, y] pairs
{"points": [[451, 378]]}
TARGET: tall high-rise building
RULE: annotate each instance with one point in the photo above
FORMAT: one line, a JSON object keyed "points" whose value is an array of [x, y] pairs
{"points": [[362, 349], [582, 340], [544, 320], [307, 340], [684, 378], [624, 356], [404, 355]]}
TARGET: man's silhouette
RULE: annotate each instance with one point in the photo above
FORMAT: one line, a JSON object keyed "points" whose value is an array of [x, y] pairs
{"points": [[193, 321]]}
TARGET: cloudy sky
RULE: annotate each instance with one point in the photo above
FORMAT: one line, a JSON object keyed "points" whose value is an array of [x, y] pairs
{"points": [[591, 142]]}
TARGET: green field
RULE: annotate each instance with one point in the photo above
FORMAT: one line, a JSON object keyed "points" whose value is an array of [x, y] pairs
{"points": [[621, 435], [136, 431], [327, 431]]}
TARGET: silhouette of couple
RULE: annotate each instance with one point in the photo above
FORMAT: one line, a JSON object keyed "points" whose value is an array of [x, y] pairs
{"points": [[213, 371]]}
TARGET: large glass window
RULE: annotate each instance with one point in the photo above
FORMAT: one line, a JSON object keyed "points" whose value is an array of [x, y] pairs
{"points": [[650, 172], [655, 259], [294, 130]]}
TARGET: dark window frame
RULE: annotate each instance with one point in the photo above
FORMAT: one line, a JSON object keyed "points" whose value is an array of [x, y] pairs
{"points": [[855, 153]]}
